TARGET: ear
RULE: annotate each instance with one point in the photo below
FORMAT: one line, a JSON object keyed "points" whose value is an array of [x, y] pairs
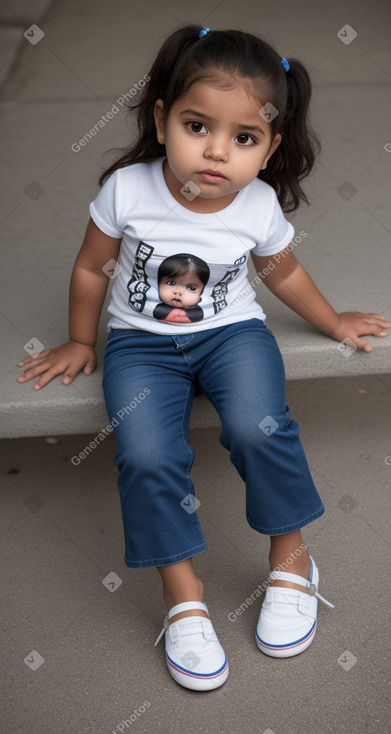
{"points": [[273, 147], [158, 114]]}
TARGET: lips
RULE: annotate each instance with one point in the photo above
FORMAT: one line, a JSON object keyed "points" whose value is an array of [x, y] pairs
{"points": [[212, 176]]}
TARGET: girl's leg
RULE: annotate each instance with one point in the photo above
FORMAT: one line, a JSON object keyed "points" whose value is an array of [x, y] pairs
{"points": [[194, 656], [180, 583], [245, 380], [149, 392], [289, 547], [149, 389]]}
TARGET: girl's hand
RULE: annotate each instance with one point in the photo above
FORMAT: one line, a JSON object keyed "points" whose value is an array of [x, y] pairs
{"points": [[353, 324], [69, 358]]}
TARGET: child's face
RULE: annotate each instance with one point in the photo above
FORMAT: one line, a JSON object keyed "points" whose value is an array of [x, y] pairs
{"points": [[181, 291], [218, 130]]}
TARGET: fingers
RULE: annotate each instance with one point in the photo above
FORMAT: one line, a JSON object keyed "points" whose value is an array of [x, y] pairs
{"points": [[71, 373], [49, 375], [34, 359], [365, 346], [359, 343], [37, 369], [66, 360], [375, 316], [378, 325], [47, 371], [90, 366], [356, 325], [378, 321], [371, 329], [377, 331]]}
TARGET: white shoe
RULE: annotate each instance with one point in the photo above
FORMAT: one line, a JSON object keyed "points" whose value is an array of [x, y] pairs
{"points": [[194, 655], [287, 622]]}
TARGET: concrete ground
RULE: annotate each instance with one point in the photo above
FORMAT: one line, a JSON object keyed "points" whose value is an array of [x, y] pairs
{"points": [[77, 654]]}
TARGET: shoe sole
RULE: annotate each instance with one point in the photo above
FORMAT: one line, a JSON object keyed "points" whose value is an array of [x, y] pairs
{"points": [[289, 650], [198, 681]]}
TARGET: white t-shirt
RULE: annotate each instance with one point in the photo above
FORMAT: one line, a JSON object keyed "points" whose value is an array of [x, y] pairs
{"points": [[136, 205]]}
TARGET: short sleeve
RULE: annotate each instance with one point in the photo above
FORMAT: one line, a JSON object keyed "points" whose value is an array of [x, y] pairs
{"points": [[104, 210], [279, 233]]}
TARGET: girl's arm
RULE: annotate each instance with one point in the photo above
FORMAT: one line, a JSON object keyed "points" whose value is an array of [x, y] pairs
{"points": [[86, 296], [290, 282]]}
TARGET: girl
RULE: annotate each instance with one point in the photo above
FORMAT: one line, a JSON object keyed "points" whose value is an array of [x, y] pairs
{"points": [[223, 145]]}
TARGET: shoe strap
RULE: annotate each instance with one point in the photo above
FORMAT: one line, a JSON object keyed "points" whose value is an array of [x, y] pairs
{"points": [[294, 579], [184, 606]]}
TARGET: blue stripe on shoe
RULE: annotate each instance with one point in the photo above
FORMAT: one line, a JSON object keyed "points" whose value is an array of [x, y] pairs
{"points": [[192, 674], [290, 644]]}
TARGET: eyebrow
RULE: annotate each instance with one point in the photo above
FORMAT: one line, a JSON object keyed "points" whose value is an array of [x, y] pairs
{"points": [[254, 128]]}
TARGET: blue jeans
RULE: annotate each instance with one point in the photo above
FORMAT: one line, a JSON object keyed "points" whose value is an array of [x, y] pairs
{"points": [[149, 383]]}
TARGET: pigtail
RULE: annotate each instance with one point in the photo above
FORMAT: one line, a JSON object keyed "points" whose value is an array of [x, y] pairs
{"points": [[295, 157], [160, 85]]}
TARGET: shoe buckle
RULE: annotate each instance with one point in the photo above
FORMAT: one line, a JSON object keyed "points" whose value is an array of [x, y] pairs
{"points": [[313, 592]]}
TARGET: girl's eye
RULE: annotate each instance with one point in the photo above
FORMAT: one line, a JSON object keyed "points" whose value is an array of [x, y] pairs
{"points": [[191, 288], [196, 127], [244, 139], [171, 282]]}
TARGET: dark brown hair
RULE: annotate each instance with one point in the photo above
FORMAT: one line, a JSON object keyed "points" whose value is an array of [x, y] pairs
{"points": [[177, 265], [184, 59]]}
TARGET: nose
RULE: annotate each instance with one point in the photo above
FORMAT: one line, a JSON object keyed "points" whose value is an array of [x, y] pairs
{"points": [[218, 148]]}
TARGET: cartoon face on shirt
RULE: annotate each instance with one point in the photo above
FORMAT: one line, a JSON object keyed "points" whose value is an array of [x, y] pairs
{"points": [[181, 281], [181, 291], [171, 289]]}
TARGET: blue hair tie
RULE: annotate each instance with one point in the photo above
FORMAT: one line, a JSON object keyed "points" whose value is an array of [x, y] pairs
{"points": [[203, 32], [285, 64]]}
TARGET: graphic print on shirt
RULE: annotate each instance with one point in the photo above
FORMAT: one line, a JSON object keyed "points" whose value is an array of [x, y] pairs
{"points": [[171, 289], [181, 282], [220, 290], [138, 284]]}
